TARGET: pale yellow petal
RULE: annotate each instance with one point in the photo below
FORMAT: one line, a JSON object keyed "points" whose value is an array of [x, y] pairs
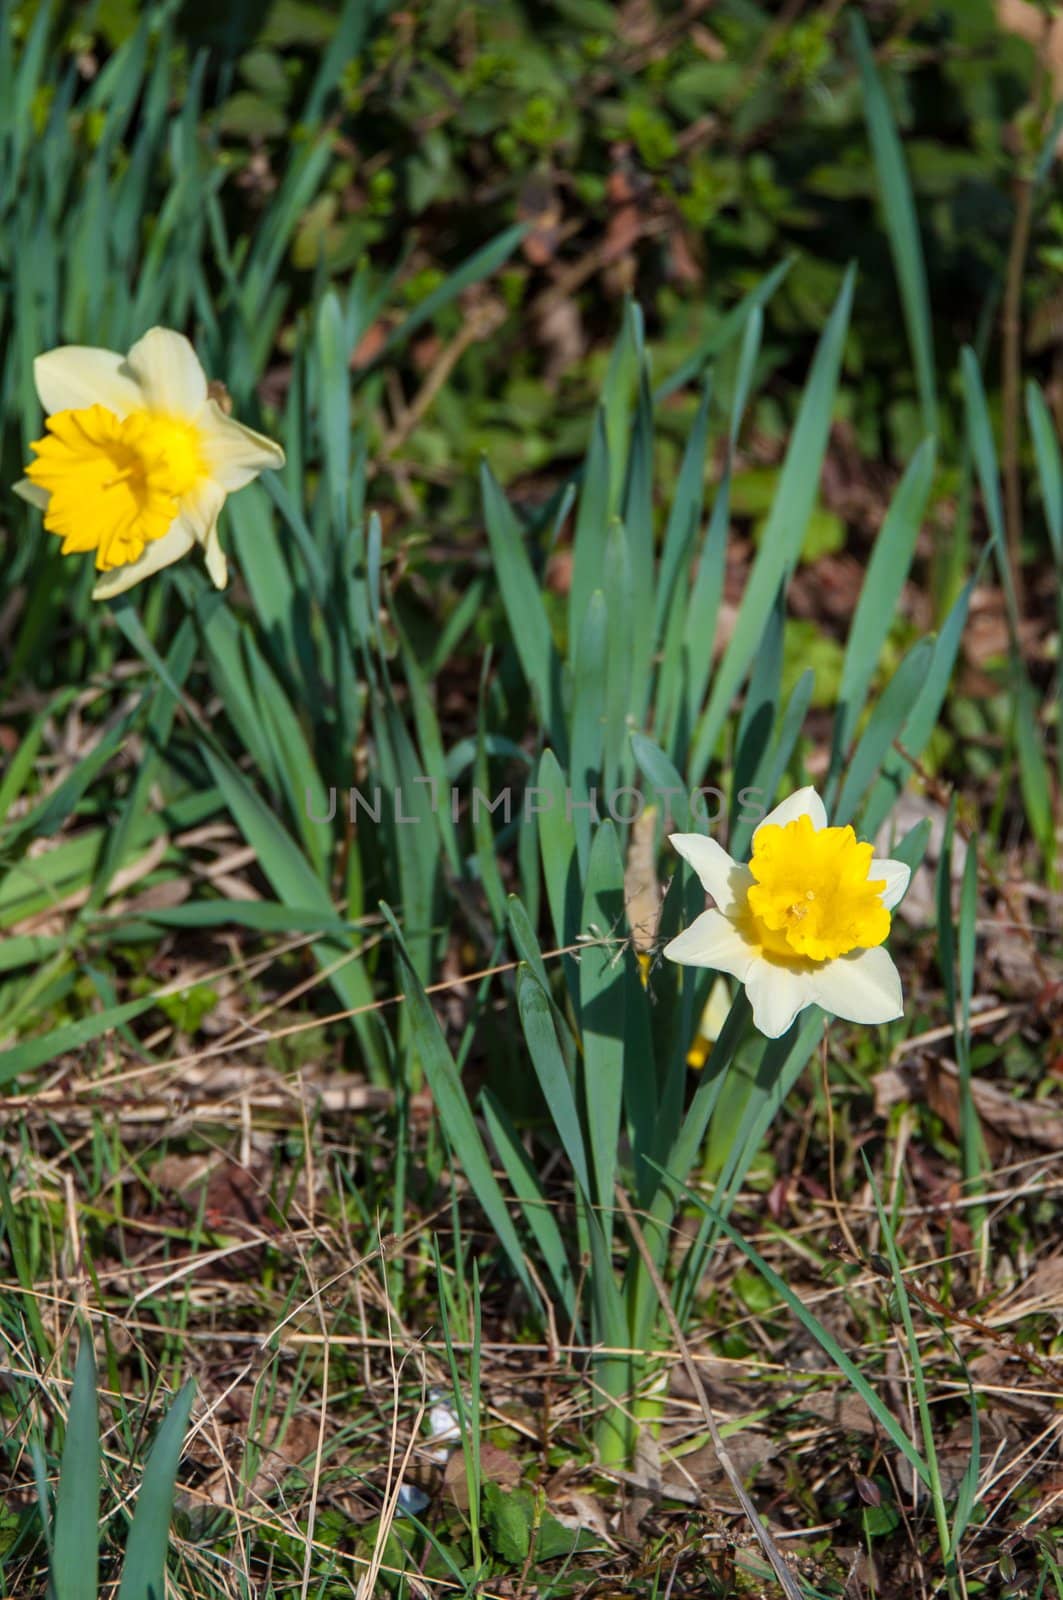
{"points": [[79, 375], [721, 877], [896, 874], [713, 941], [174, 544], [235, 454], [201, 508], [862, 987], [804, 803], [169, 372], [217, 565], [777, 994]]}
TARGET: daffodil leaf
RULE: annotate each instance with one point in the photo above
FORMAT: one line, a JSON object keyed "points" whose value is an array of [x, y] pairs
{"points": [[557, 840], [901, 223], [752, 799], [523, 601], [1049, 466], [887, 719], [619, 601], [452, 1104], [876, 607], [588, 720], [684, 517], [144, 1567], [536, 1016], [638, 525], [618, 396], [693, 368], [699, 630], [923, 717], [591, 529], [603, 996], [76, 1551], [785, 531], [537, 1211], [756, 725]]}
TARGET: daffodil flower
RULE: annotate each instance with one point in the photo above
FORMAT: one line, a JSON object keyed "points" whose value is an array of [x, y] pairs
{"points": [[137, 458], [803, 923]]}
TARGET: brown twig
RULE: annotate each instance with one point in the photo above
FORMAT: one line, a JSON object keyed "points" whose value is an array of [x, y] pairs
{"points": [[481, 322]]}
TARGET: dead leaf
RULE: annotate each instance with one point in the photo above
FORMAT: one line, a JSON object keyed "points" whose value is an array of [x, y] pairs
{"points": [[369, 345], [840, 1407], [748, 1450], [642, 890], [1005, 1118], [496, 1466], [560, 329], [540, 208]]}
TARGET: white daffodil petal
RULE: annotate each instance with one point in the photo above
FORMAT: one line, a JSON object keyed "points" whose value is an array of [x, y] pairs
{"points": [[712, 941], [897, 877], [26, 489], [169, 373], [175, 543], [863, 987], [777, 994], [805, 803], [217, 565], [80, 375], [201, 508], [712, 864], [235, 454]]}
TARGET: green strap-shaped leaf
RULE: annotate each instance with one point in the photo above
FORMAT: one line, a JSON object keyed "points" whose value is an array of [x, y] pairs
{"points": [[1049, 467], [684, 516], [522, 597], [591, 530], [588, 719], [879, 593], [922, 720], [785, 529], [144, 1568], [729, 329], [76, 1552], [902, 227], [537, 1209], [37, 1052], [536, 1016], [602, 993], [888, 718]]}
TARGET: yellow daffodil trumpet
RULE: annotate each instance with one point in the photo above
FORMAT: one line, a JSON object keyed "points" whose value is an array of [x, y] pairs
{"points": [[137, 458], [803, 923]]}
